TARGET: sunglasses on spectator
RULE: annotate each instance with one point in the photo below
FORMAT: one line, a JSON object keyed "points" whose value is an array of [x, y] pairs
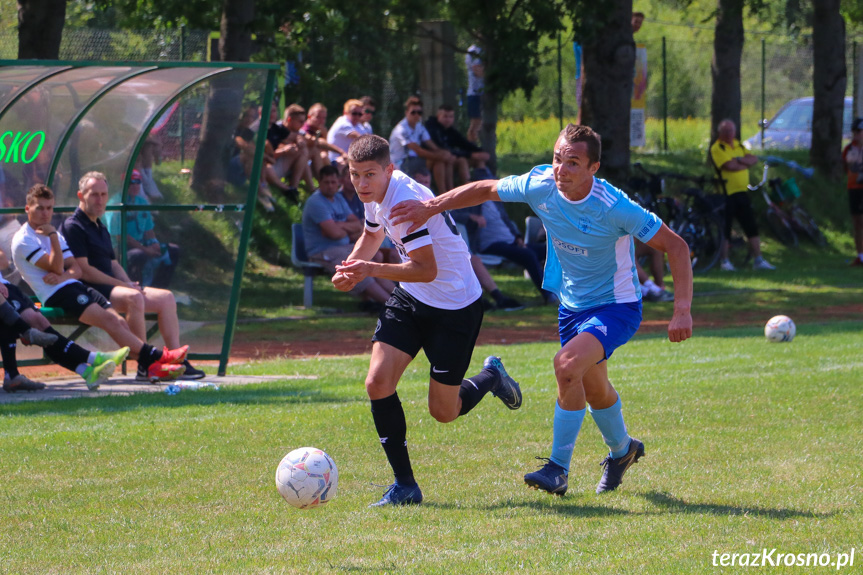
{"points": [[134, 181], [416, 112], [367, 111]]}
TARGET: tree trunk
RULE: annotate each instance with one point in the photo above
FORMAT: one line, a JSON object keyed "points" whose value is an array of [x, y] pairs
{"points": [[609, 61], [490, 99], [224, 102], [40, 29], [829, 79], [725, 69]]}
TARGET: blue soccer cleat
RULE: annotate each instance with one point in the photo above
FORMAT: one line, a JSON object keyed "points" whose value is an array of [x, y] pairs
{"points": [[507, 389], [551, 478], [400, 495], [615, 468]]}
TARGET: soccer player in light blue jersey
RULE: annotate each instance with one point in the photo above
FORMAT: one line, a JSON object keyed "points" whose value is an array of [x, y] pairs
{"points": [[590, 265]]}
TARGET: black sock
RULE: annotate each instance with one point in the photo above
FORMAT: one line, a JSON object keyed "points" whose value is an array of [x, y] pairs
{"points": [[148, 355], [10, 317], [392, 430], [7, 352], [473, 389], [65, 352]]}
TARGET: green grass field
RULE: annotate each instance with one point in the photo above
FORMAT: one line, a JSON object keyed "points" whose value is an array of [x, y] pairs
{"points": [[750, 445]]}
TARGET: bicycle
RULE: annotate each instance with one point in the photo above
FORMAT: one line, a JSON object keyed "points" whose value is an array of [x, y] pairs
{"points": [[785, 217], [698, 217]]}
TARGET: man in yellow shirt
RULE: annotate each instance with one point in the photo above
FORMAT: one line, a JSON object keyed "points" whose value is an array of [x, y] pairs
{"points": [[733, 161]]}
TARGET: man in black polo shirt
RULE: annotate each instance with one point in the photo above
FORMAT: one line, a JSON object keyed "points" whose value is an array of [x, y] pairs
{"points": [[90, 243], [443, 133]]}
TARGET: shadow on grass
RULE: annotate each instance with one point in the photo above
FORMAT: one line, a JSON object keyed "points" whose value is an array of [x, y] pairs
{"points": [[803, 330], [234, 395], [672, 504]]}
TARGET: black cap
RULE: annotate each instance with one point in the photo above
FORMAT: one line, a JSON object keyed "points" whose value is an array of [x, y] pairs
{"points": [[857, 124]]}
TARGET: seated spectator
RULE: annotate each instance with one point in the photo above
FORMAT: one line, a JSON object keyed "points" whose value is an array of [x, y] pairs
{"points": [[290, 155], [90, 245], [94, 367], [651, 290], [411, 145], [369, 108], [151, 153], [467, 154], [315, 132], [45, 262], [241, 164], [347, 128], [149, 262], [498, 235], [501, 301], [330, 229]]}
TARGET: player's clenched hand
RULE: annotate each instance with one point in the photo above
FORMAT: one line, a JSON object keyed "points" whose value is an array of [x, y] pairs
{"points": [[410, 211], [357, 270], [680, 327], [343, 282]]}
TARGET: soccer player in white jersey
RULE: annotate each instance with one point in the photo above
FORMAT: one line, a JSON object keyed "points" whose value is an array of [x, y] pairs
{"points": [[437, 307], [591, 267]]}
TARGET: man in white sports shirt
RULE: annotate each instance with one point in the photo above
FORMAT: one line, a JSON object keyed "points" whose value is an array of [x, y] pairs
{"points": [[591, 268], [42, 256], [437, 307]]}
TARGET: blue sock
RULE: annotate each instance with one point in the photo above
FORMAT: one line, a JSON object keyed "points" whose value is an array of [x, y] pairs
{"points": [[567, 424], [613, 429]]}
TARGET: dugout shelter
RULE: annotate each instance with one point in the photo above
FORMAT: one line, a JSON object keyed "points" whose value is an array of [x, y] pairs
{"points": [[173, 121]]}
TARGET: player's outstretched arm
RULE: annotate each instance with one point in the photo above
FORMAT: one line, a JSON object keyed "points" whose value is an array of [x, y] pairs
{"points": [[680, 326], [472, 194]]}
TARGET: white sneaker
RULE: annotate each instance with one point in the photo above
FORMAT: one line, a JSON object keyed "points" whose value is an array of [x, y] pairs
{"points": [[762, 264], [727, 266]]}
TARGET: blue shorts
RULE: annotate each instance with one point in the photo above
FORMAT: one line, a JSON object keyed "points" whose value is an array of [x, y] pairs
{"points": [[474, 107], [613, 324]]}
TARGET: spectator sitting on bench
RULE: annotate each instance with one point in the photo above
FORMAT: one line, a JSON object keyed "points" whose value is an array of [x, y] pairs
{"points": [[150, 262], [502, 302], [45, 262], [94, 367], [330, 229], [498, 235], [467, 154], [90, 243], [411, 145]]}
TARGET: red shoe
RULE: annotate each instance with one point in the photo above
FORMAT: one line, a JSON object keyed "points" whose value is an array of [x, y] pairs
{"points": [[165, 371], [174, 355]]}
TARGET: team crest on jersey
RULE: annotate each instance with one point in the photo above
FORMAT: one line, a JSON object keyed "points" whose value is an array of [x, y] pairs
{"points": [[569, 248], [584, 224], [83, 299]]}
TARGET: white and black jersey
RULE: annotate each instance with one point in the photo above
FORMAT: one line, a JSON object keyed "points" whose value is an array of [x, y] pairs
{"points": [[28, 247], [455, 286]]}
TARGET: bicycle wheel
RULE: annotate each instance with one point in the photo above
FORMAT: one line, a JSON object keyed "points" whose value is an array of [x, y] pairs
{"points": [[804, 222], [703, 234], [780, 227]]}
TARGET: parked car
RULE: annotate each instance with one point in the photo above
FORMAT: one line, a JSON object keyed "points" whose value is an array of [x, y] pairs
{"points": [[791, 127]]}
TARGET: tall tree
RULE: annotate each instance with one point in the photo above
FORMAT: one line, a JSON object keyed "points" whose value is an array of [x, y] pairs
{"points": [[224, 101], [609, 64], [725, 69], [40, 28], [829, 79]]}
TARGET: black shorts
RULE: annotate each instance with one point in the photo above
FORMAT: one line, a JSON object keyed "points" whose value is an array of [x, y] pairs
{"points": [[447, 336], [74, 298], [474, 107], [103, 289], [738, 206], [855, 201], [18, 300]]}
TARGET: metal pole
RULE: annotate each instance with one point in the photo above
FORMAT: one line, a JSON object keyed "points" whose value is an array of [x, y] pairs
{"points": [[559, 83], [664, 99], [763, 87], [182, 114], [248, 215]]}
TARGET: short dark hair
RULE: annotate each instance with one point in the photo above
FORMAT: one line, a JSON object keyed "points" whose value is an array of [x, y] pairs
{"points": [[328, 170], [370, 148], [574, 133], [446, 108], [413, 101], [368, 101], [38, 192], [416, 169]]}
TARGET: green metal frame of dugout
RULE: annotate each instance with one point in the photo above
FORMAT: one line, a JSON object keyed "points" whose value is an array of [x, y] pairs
{"points": [[175, 123]]}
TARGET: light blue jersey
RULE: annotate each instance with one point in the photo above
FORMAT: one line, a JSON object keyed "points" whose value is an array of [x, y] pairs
{"points": [[591, 255]]}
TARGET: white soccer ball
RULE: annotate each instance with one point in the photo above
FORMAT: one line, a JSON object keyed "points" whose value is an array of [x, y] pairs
{"points": [[307, 477], [780, 328]]}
